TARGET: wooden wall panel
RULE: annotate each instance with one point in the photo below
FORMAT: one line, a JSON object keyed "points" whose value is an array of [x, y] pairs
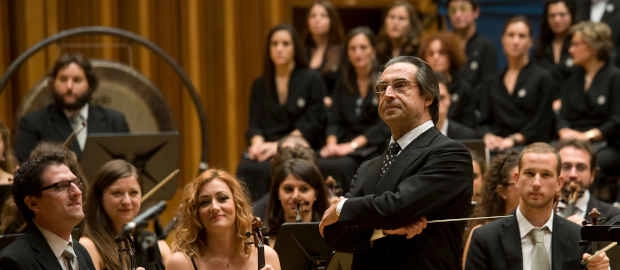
{"points": [[6, 110], [219, 43]]}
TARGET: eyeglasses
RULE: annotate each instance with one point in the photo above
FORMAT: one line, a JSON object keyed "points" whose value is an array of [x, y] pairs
{"points": [[399, 86], [64, 186]]}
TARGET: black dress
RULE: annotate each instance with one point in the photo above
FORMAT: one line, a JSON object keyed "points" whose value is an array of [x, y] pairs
{"points": [[527, 110], [481, 61], [146, 256], [303, 110], [598, 107], [330, 66], [560, 71], [464, 102], [350, 116]]}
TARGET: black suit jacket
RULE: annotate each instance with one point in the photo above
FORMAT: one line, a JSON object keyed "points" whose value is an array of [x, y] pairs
{"points": [[51, 124], [431, 177], [459, 131], [497, 245], [33, 252]]}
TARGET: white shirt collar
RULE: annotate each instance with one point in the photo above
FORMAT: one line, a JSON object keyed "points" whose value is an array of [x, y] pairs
{"points": [[83, 112], [412, 134], [525, 226], [56, 243], [597, 10], [582, 203], [444, 128]]}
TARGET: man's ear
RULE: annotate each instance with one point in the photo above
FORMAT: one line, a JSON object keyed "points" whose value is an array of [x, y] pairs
{"points": [[560, 182], [32, 202], [515, 177]]}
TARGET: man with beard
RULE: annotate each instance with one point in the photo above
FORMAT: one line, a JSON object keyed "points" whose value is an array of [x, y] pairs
{"points": [[579, 168], [49, 196], [72, 82], [535, 237]]}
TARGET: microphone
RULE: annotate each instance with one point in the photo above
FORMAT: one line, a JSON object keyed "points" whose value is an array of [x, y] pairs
{"points": [[142, 219], [73, 134]]}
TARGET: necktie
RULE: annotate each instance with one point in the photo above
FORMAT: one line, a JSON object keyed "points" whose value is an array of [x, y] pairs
{"points": [[69, 258], [391, 153], [540, 258], [79, 125]]}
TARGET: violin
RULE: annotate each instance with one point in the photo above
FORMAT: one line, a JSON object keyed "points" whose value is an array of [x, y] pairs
{"points": [[570, 193], [257, 233]]}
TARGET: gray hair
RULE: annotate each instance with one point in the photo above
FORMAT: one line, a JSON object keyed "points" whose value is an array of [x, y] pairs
{"points": [[427, 82]]}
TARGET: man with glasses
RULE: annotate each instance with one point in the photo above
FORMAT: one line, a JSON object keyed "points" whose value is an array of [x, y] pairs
{"points": [[49, 196], [423, 175], [579, 168]]}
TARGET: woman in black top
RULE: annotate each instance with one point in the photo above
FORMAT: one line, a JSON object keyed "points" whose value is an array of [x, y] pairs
{"points": [[445, 54], [516, 107], [400, 34], [354, 129], [323, 40], [591, 101], [114, 199], [286, 100], [551, 52]]}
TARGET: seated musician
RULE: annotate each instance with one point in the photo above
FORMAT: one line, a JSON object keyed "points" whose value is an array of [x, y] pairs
{"points": [[535, 237], [71, 83], [215, 215], [49, 196], [298, 193], [113, 200]]}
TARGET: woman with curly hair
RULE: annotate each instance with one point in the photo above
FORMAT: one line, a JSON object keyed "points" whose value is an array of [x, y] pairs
{"points": [[215, 215], [445, 53], [500, 195]]}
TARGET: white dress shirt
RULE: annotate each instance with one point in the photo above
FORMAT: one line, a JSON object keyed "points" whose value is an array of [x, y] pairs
{"points": [[581, 206], [403, 142], [527, 247], [56, 243], [77, 122], [597, 9]]}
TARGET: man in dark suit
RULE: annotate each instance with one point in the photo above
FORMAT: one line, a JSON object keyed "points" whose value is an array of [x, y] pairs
{"points": [[534, 238], [71, 82], [579, 167], [49, 196], [424, 174]]}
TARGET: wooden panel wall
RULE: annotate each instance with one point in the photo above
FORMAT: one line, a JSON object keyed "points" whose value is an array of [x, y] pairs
{"points": [[219, 43]]}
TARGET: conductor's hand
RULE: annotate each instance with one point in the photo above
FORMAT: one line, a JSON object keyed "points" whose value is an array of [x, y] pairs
{"points": [[597, 262], [329, 217], [410, 230]]}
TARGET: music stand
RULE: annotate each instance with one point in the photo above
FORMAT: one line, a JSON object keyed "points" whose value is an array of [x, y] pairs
{"points": [[477, 146], [300, 246], [155, 155]]}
